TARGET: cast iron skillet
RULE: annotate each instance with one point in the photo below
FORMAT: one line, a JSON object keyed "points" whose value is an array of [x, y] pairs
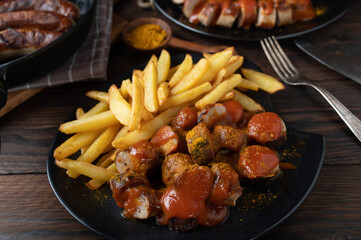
{"points": [[273, 202], [42, 61]]}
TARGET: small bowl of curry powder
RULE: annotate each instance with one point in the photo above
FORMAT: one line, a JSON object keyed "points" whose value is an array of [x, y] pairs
{"points": [[147, 35]]}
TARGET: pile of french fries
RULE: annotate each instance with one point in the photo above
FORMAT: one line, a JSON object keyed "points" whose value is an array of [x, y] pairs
{"points": [[137, 108]]}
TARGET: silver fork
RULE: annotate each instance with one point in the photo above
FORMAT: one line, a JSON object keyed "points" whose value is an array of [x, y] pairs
{"points": [[290, 75]]}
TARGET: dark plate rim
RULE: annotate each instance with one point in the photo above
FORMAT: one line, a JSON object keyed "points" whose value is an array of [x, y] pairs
{"points": [[316, 137], [235, 38]]}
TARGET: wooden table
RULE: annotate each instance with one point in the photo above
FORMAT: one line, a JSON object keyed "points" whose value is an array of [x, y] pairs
{"points": [[30, 210]]}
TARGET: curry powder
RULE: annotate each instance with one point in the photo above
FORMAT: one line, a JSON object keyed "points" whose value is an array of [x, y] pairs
{"points": [[147, 36]]}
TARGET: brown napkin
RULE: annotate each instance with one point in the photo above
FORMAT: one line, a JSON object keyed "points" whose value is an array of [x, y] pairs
{"points": [[90, 61]]}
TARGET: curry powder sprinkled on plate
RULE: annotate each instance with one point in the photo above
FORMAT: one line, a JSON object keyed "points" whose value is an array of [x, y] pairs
{"points": [[147, 36]]}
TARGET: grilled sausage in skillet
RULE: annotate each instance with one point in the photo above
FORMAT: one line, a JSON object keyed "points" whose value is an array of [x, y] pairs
{"points": [[62, 7]]}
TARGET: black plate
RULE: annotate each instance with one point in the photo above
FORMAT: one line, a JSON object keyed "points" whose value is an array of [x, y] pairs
{"points": [[45, 59], [274, 202], [333, 9]]}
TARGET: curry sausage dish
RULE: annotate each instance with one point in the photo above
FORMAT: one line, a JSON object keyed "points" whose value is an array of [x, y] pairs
{"points": [[176, 143], [27, 25], [265, 14]]}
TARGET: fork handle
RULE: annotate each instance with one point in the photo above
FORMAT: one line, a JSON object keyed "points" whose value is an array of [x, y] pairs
{"points": [[351, 120]]}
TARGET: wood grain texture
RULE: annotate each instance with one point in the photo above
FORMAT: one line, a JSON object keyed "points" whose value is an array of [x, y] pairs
{"points": [[30, 210]]}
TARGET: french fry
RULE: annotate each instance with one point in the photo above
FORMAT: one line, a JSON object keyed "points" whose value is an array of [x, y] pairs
{"points": [[247, 84], [150, 88], [137, 104], [153, 59], [96, 148], [98, 108], [98, 95], [162, 93], [147, 116], [96, 122], [216, 62], [94, 184], [184, 68], [224, 87], [124, 88], [119, 106], [192, 78], [219, 77], [264, 81], [233, 65], [163, 66], [122, 132], [86, 169], [79, 113], [147, 130], [227, 96], [186, 96], [247, 103], [172, 71], [74, 143], [107, 159], [206, 55]]}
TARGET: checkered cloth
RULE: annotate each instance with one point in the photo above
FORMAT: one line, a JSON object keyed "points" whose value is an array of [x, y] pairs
{"points": [[90, 61]]}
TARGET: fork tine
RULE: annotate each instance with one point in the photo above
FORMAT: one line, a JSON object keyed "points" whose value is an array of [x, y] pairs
{"points": [[275, 62], [280, 56], [283, 55]]}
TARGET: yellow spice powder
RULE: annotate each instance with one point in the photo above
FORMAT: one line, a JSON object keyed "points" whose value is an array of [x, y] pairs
{"points": [[147, 36]]}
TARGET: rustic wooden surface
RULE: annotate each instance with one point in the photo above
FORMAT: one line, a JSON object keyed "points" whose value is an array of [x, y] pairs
{"points": [[30, 210]]}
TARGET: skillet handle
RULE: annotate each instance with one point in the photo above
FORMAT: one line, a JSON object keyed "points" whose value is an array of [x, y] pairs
{"points": [[3, 91]]}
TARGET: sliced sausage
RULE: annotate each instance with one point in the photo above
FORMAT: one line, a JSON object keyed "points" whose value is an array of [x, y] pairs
{"points": [[142, 157], [186, 119], [230, 137], [174, 165], [226, 189], [258, 162], [201, 145], [228, 14], [248, 13], [267, 128], [169, 141]]}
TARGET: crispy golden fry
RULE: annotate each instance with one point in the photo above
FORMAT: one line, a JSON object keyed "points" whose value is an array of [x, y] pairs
{"points": [[74, 143], [94, 184], [186, 96], [264, 81], [147, 116], [172, 71], [183, 70], [216, 62], [247, 84], [137, 104], [247, 103], [98, 108], [150, 88], [86, 169], [219, 77], [122, 132], [233, 65], [163, 66], [124, 88], [224, 87], [107, 159], [97, 147], [191, 79], [98, 95], [79, 113], [206, 55], [147, 130], [153, 59], [96, 122], [227, 96], [162, 92], [119, 106]]}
